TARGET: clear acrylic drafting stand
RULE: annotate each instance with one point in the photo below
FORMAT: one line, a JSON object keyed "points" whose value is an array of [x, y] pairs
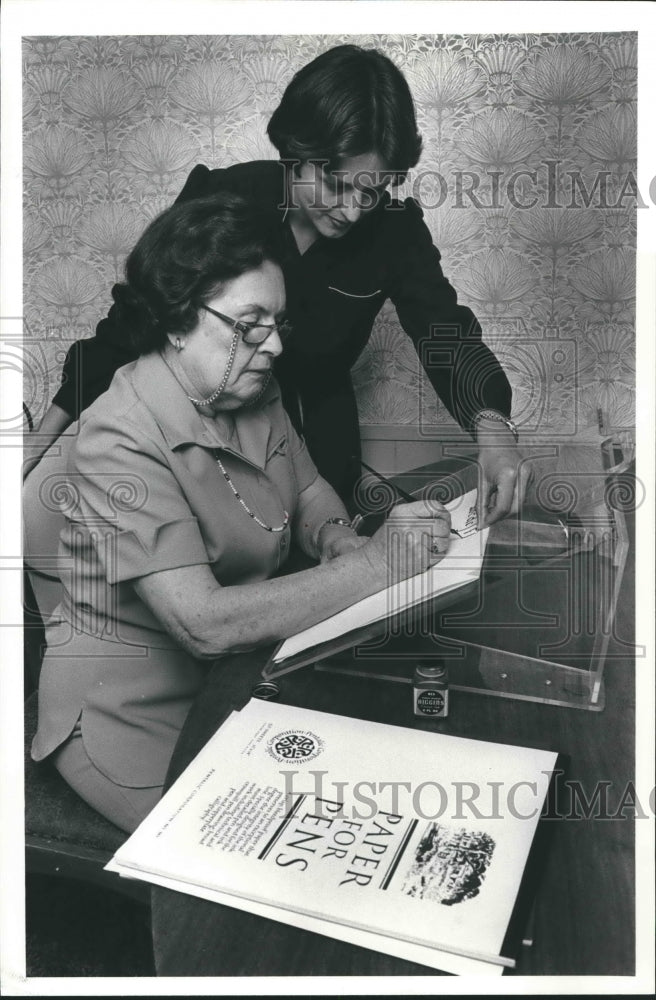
{"points": [[541, 623]]}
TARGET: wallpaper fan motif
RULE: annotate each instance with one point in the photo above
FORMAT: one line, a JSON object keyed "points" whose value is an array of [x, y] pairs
{"points": [[112, 126]]}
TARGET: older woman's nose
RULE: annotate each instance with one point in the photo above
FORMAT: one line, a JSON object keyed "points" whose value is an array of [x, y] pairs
{"points": [[272, 345]]}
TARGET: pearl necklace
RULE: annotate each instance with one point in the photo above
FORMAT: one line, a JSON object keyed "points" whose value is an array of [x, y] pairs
{"points": [[243, 504]]}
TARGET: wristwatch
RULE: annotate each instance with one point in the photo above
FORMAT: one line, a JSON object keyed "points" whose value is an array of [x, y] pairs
{"points": [[495, 415], [338, 520]]}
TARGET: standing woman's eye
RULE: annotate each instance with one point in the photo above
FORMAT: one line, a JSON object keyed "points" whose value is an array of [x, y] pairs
{"points": [[334, 184]]}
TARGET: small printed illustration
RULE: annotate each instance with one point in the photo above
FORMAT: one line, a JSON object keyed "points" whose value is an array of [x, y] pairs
{"points": [[295, 744], [449, 865]]}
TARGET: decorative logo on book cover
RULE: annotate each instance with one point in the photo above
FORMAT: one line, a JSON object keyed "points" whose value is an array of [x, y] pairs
{"points": [[299, 745]]}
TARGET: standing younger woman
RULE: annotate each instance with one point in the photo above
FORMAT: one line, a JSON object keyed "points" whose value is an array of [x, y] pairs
{"points": [[346, 133]]}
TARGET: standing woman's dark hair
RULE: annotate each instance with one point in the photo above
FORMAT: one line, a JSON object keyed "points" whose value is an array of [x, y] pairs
{"points": [[346, 102], [183, 257]]}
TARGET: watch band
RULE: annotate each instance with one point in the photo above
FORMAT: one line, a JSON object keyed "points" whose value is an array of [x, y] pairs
{"points": [[338, 520], [495, 415]]}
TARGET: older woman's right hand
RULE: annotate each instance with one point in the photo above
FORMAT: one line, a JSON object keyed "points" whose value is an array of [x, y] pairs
{"points": [[414, 537]]}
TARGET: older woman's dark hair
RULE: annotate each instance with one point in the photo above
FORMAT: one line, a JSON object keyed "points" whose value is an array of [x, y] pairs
{"points": [[346, 102], [183, 258]]}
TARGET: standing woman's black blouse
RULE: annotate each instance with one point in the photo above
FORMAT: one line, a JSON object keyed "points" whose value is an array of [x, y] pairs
{"points": [[334, 292]]}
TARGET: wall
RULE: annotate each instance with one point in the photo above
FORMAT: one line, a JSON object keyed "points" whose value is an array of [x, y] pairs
{"points": [[114, 124]]}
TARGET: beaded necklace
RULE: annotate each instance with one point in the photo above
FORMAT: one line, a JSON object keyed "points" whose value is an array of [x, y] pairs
{"points": [[210, 399], [243, 503]]}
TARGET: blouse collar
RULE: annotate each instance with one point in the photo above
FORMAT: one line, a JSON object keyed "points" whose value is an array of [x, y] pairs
{"points": [[181, 424]]}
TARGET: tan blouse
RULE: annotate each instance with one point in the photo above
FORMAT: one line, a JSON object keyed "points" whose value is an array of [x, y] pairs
{"points": [[142, 492]]}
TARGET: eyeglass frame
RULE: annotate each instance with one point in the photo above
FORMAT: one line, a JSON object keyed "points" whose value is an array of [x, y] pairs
{"points": [[283, 329]]}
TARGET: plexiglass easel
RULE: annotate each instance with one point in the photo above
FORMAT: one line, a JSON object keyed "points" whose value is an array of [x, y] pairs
{"points": [[554, 646]]}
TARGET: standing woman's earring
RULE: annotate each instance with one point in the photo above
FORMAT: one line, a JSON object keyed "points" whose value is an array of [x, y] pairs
{"points": [[179, 345]]}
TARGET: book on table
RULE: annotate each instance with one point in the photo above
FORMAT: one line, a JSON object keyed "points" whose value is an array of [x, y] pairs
{"points": [[412, 843]]}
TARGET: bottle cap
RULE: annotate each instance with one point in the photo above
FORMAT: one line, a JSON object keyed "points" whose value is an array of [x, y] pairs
{"points": [[430, 671]]}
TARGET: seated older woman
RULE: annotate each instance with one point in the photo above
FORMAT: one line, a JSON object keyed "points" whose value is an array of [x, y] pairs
{"points": [[190, 484]]}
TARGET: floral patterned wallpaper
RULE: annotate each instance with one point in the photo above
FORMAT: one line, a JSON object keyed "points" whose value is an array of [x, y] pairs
{"points": [[527, 182]]}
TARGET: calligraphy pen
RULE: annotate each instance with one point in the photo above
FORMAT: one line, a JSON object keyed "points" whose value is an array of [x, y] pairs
{"points": [[404, 496]]}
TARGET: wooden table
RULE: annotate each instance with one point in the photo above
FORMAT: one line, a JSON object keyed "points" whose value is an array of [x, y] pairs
{"points": [[584, 908]]}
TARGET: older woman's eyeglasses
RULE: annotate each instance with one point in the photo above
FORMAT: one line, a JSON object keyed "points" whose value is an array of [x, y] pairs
{"points": [[253, 333]]}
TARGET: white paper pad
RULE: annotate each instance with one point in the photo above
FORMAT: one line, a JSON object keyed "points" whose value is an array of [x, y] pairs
{"points": [[460, 566], [228, 831], [443, 961]]}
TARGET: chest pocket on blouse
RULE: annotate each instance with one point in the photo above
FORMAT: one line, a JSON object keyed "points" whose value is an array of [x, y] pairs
{"points": [[350, 314], [355, 295]]}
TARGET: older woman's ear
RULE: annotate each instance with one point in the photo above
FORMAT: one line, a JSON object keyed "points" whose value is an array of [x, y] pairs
{"points": [[175, 340]]}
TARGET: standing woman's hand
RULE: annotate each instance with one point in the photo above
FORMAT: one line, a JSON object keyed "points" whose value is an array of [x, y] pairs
{"points": [[504, 471]]}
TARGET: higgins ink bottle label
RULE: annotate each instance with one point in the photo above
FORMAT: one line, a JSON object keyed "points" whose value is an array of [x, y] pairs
{"points": [[431, 690]]}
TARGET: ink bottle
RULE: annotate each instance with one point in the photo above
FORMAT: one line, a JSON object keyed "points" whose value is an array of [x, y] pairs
{"points": [[431, 690]]}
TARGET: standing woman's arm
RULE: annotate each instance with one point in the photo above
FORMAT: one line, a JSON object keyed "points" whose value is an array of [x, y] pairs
{"points": [[465, 373], [54, 422], [88, 370]]}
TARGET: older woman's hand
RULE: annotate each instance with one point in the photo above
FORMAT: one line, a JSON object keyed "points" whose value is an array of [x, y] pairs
{"points": [[414, 537], [336, 540]]}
